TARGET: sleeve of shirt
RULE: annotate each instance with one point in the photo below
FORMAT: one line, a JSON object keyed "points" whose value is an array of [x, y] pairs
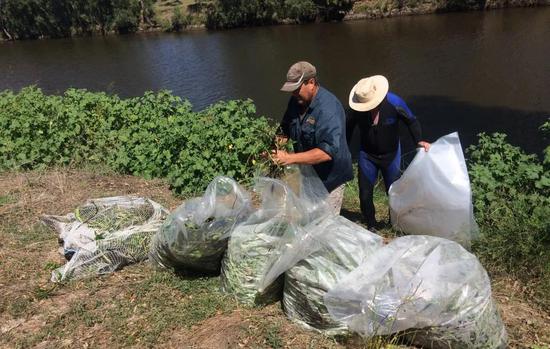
{"points": [[329, 130], [406, 115]]}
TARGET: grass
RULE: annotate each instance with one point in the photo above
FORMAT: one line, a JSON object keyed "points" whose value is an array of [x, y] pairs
{"points": [[143, 307]]}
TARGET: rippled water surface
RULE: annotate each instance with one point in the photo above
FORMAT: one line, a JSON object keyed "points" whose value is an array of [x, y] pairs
{"points": [[466, 72]]}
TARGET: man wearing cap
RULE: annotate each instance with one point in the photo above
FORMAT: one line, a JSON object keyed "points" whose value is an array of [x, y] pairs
{"points": [[315, 121], [376, 113]]}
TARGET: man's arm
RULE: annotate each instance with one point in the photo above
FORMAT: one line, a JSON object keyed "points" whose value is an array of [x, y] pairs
{"points": [[406, 115], [311, 157]]}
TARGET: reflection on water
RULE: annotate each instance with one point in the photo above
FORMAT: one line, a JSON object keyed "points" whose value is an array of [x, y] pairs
{"points": [[469, 72]]}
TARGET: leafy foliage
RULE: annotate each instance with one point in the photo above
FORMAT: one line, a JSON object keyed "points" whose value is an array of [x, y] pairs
{"points": [[32, 19], [301, 10], [511, 193], [239, 13], [179, 20], [156, 135]]}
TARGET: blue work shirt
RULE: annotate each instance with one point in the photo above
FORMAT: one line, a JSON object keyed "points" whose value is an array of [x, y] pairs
{"points": [[323, 126]]}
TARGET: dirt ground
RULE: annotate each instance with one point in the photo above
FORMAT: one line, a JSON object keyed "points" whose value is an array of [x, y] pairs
{"points": [[141, 307]]}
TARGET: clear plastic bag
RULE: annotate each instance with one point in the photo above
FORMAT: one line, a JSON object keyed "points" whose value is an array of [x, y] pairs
{"points": [[433, 196], [257, 243], [430, 287], [103, 235], [194, 236], [335, 246]]}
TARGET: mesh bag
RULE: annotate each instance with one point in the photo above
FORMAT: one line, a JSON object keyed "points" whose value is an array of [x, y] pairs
{"points": [[194, 237], [337, 247], [103, 235], [256, 244], [433, 196], [431, 290]]}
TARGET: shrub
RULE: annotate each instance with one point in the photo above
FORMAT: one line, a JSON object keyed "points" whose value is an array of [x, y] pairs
{"points": [[125, 21], [301, 10], [156, 135], [179, 20], [511, 192]]}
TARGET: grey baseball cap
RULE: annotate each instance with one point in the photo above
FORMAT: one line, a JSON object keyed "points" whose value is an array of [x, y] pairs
{"points": [[297, 74]]}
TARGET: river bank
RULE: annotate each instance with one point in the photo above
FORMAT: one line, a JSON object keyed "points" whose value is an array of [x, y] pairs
{"points": [[181, 17], [371, 9], [141, 307]]}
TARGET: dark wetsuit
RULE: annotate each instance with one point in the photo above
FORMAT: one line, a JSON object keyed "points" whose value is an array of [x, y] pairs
{"points": [[380, 147]]}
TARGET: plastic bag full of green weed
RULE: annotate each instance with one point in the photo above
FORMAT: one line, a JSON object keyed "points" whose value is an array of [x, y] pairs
{"points": [[103, 235], [194, 237], [429, 290], [331, 249], [256, 243]]}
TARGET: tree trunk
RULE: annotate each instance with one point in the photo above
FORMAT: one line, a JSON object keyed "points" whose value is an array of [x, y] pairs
{"points": [[7, 34]]}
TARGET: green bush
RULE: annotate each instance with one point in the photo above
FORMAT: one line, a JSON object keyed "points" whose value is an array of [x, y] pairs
{"points": [[239, 13], [156, 135], [125, 21], [301, 10], [31, 19], [179, 20], [511, 192]]}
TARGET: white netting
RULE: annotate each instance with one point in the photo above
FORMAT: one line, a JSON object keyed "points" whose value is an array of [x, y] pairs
{"points": [[103, 235]]}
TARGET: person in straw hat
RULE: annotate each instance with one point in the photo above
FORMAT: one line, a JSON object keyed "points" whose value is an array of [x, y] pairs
{"points": [[376, 113], [315, 120]]}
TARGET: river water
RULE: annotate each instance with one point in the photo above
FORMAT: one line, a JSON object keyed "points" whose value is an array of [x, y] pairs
{"points": [[467, 72]]}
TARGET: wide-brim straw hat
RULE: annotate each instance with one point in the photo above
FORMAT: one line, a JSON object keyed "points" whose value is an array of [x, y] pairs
{"points": [[368, 93]]}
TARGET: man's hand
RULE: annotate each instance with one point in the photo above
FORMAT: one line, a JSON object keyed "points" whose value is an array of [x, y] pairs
{"points": [[310, 157], [281, 157], [281, 140], [424, 145]]}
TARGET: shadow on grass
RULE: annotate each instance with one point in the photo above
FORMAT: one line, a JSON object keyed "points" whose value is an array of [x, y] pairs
{"points": [[353, 216]]}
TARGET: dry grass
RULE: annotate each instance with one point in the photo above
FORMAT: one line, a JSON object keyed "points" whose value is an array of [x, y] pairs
{"points": [[140, 307]]}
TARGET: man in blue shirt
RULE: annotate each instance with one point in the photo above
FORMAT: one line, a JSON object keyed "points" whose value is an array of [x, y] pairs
{"points": [[315, 121], [376, 113]]}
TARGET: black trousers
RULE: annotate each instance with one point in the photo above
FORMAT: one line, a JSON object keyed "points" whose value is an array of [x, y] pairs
{"points": [[368, 175]]}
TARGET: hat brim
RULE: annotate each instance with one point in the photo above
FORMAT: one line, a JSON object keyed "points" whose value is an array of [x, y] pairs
{"points": [[291, 86], [382, 88]]}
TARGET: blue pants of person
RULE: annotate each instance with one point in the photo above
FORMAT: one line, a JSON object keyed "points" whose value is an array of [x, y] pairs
{"points": [[368, 174]]}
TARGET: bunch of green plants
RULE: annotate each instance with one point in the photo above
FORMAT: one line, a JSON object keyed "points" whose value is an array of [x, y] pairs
{"points": [[157, 135], [190, 246], [37, 130], [511, 195], [249, 253]]}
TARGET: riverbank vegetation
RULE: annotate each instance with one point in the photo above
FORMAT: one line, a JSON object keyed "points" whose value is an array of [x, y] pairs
{"points": [[158, 135], [511, 192], [57, 151], [33, 19], [153, 136]]}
